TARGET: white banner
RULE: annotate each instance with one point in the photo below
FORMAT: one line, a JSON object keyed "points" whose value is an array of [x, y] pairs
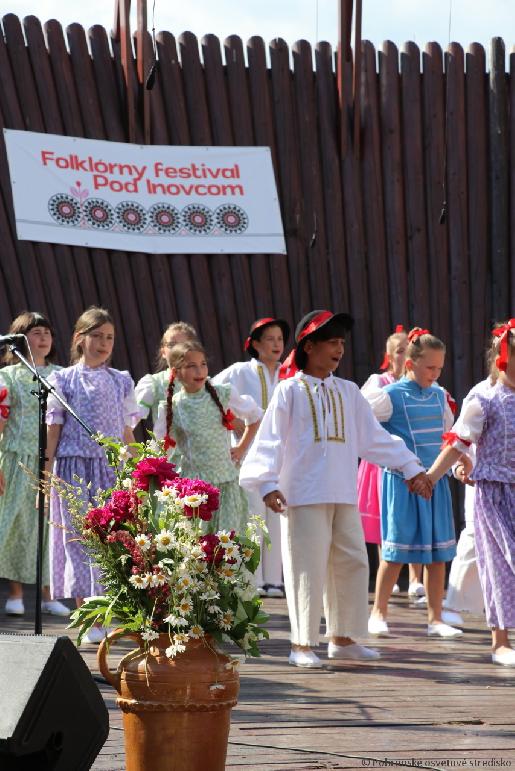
{"points": [[144, 198]]}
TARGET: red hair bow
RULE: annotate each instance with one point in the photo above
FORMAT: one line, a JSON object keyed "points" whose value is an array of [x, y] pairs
{"points": [[169, 442], [501, 362], [288, 368], [227, 420], [416, 333], [4, 408]]}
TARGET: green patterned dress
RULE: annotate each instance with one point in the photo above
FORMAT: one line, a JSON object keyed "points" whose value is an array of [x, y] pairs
{"points": [[19, 444], [203, 449]]}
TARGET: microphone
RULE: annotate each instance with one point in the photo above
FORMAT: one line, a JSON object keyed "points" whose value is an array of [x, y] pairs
{"points": [[11, 339]]}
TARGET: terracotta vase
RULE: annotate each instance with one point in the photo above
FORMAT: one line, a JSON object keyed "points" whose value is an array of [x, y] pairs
{"points": [[176, 712]]}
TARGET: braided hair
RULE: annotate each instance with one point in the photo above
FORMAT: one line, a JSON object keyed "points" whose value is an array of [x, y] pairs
{"points": [[177, 358]]}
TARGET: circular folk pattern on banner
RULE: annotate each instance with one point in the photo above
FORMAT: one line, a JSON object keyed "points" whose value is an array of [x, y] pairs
{"points": [[198, 219], [131, 216], [64, 209], [231, 218], [98, 214], [165, 218]]}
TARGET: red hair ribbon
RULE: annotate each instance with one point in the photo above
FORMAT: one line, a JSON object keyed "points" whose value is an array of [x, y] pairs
{"points": [[416, 333], [288, 368], [227, 420], [169, 442], [4, 408], [451, 402], [501, 362], [256, 325], [385, 363], [451, 438], [398, 329]]}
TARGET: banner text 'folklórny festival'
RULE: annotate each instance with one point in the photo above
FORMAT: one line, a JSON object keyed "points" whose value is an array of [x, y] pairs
{"points": [[144, 198]]}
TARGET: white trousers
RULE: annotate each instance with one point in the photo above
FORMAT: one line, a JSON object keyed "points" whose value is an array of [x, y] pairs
{"points": [[270, 569], [325, 566]]}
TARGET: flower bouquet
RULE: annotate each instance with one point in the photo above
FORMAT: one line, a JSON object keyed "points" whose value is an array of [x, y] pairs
{"points": [[164, 570]]}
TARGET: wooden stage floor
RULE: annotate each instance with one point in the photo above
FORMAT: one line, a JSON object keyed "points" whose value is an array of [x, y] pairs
{"points": [[426, 703]]}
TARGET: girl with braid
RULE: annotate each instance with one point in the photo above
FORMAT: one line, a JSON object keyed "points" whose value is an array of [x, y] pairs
{"points": [[196, 423]]}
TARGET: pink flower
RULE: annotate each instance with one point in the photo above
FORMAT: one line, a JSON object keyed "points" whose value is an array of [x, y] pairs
{"points": [[98, 520], [159, 468], [213, 551], [190, 487], [123, 505]]}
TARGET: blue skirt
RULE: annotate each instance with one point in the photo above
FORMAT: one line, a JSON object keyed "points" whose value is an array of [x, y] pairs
{"points": [[413, 529]]}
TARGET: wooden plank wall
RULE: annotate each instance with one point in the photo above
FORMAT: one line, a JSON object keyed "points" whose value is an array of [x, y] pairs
{"points": [[364, 232]]}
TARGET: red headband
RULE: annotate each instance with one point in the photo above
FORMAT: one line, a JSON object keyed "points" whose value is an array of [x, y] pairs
{"points": [[257, 324], [503, 332], [416, 333]]}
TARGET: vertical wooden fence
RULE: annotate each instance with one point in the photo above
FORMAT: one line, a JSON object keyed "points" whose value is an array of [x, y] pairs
{"points": [[419, 229]]}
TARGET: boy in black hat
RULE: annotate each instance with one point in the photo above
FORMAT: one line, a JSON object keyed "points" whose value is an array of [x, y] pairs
{"points": [[305, 455]]}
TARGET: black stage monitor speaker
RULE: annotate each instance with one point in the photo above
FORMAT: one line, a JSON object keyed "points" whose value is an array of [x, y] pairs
{"points": [[52, 715]]}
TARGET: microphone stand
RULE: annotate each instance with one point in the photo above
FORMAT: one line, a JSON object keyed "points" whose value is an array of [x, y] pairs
{"points": [[43, 389]]}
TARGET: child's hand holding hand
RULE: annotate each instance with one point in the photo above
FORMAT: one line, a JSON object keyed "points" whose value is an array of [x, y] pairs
{"points": [[237, 453], [421, 485], [275, 501], [464, 469]]}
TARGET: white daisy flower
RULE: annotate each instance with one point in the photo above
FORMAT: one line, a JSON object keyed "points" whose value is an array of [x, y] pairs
{"points": [[174, 620], [196, 551], [139, 581], [180, 638], [194, 501], [227, 571], [246, 553], [149, 634], [154, 446], [166, 495], [185, 606], [143, 541], [210, 594], [127, 483], [164, 540], [184, 582], [232, 553], [196, 631], [158, 579], [171, 651], [214, 609], [226, 620], [224, 537]]}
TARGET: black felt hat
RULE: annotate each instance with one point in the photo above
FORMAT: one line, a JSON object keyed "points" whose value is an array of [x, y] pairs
{"points": [[257, 328], [333, 323]]}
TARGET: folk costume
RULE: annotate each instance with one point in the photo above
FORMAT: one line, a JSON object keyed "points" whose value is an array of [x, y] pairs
{"points": [[370, 476], [202, 447], [19, 445], [415, 529], [487, 420], [150, 392], [307, 446], [253, 378], [104, 398]]}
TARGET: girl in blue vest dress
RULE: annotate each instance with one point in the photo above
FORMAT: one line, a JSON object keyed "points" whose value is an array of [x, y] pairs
{"points": [[413, 529]]}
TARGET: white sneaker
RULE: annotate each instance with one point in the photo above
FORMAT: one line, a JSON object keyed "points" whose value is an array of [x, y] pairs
{"points": [[378, 627], [416, 589], [396, 589], [506, 659], [261, 591], [443, 630], [353, 651], [14, 607], [96, 634], [451, 617], [55, 608], [307, 659], [421, 601]]}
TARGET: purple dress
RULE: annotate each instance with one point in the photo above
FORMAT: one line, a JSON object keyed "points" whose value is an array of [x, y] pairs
{"points": [[491, 423], [104, 399]]}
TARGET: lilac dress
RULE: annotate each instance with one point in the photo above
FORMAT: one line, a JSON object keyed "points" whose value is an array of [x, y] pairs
{"points": [[489, 420], [104, 399]]}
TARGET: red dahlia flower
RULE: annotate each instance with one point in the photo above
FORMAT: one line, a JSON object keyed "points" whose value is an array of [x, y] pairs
{"points": [[159, 468]]}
